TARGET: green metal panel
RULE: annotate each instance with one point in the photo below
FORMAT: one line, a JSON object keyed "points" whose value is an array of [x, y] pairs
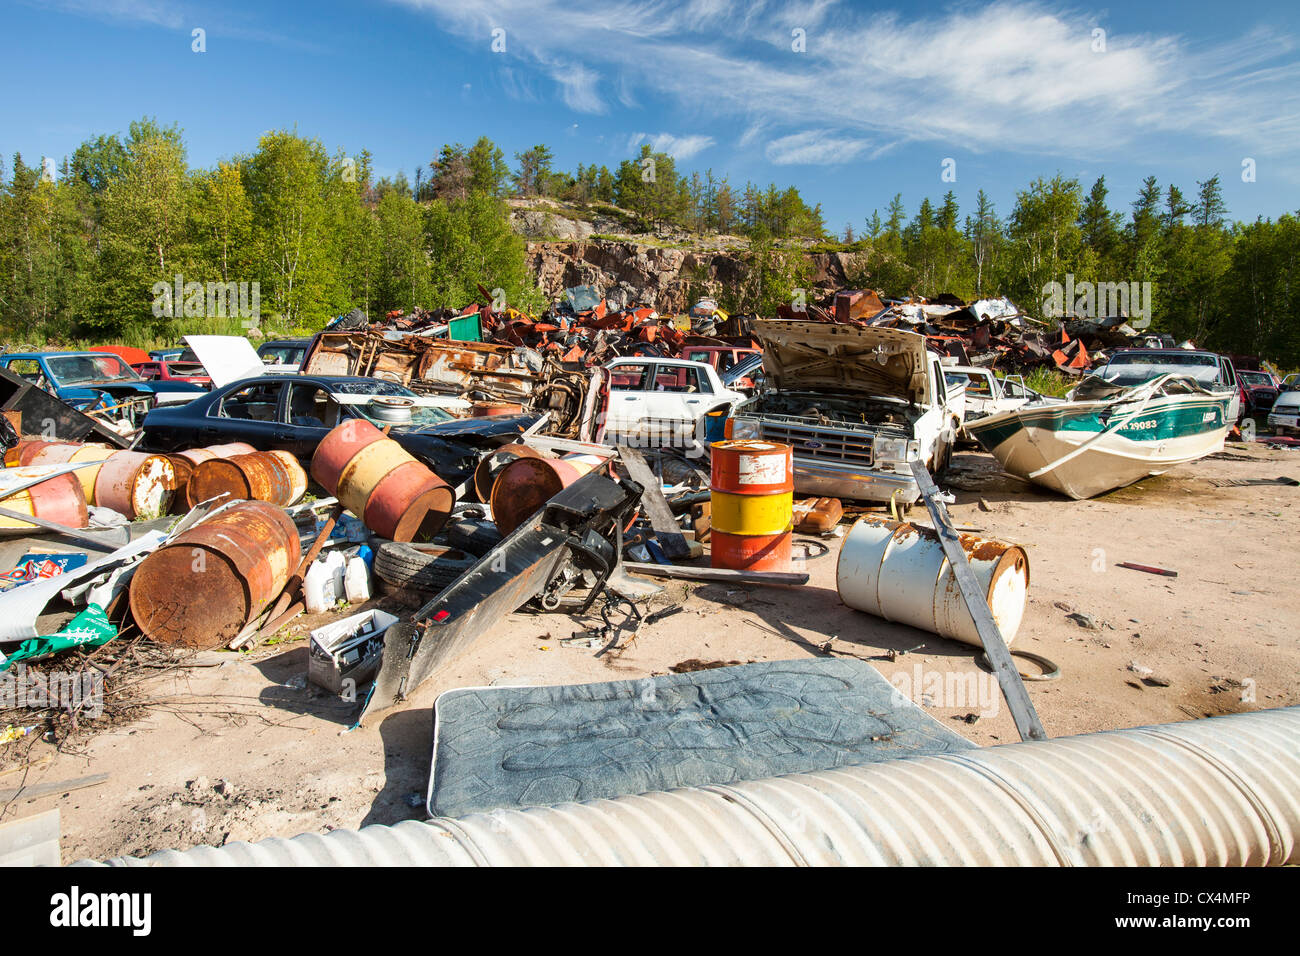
{"points": [[465, 328]]}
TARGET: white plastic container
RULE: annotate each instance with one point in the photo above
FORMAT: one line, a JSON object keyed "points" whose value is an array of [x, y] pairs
{"points": [[356, 581]]}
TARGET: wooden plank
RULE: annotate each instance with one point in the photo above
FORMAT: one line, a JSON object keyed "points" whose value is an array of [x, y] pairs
{"points": [[716, 574], [46, 789], [656, 507], [1013, 688]]}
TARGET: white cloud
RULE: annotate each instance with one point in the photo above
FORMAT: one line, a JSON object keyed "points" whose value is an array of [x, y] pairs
{"points": [[816, 147], [1016, 74], [678, 147]]}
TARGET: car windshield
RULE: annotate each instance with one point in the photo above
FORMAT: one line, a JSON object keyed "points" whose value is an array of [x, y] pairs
{"points": [[420, 415], [1254, 378], [81, 369]]}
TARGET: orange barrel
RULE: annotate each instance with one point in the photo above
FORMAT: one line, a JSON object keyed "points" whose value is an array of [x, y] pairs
{"points": [[23, 453], [136, 484], [182, 469], [394, 495], [488, 409], [526, 484], [485, 475], [752, 505], [255, 477], [294, 471], [59, 499], [204, 586], [232, 448], [59, 454]]}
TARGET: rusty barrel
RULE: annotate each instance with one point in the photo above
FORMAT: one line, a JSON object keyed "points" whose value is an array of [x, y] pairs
{"points": [[59, 499], [256, 477], [61, 454], [491, 466], [752, 502], [24, 452], [394, 495], [526, 484], [204, 586], [197, 456], [898, 571], [294, 472], [489, 409], [136, 484]]}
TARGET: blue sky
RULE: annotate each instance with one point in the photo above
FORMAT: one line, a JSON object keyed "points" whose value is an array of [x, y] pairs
{"points": [[880, 96]]}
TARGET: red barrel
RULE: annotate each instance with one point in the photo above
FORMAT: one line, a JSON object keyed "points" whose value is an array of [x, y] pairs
{"points": [[394, 495], [526, 484], [491, 466], [751, 485], [58, 499], [204, 587]]}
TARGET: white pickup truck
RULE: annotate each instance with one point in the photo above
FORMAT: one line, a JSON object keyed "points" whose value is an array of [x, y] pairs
{"points": [[662, 402], [857, 404]]}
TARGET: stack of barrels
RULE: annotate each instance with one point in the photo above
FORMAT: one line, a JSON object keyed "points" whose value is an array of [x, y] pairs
{"points": [[752, 502], [394, 495]]}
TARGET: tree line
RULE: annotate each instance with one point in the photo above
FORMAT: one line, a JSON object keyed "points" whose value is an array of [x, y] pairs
{"points": [[84, 246], [1231, 286]]}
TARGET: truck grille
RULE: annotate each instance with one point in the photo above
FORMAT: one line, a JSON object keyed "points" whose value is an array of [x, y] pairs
{"points": [[827, 444]]}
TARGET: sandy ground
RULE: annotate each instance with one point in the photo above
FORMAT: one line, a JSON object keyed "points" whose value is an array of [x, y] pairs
{"points": [[246, 749]]}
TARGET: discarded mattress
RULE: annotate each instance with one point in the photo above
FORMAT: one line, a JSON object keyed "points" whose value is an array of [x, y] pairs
{"points": [[505, 747]]}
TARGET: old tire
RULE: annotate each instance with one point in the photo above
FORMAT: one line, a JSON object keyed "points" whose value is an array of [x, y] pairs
{"points": [[472, 537], [420, 567]]}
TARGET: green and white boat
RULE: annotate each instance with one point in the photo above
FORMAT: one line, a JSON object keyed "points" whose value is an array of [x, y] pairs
{"points": [[1108, 436]]}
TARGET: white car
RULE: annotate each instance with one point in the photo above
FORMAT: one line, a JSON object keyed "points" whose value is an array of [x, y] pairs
{"points": [[1284, 416], [662, 402], [987, 395]]}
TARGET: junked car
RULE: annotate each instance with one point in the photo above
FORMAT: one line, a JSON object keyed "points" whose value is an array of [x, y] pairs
{"points": [[173, 370], [986, 394], [1263, 388], [295, 412], [1284, 416], [857, 404], [1127, 367], [97, 382], [661, 402]]}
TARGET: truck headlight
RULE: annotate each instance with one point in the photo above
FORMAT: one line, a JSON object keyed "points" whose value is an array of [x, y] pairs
{"points": [[889, 449], [742, 428]]}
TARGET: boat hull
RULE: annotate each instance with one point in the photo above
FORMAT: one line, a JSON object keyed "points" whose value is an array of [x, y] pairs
{"points": [[1170, 431]]}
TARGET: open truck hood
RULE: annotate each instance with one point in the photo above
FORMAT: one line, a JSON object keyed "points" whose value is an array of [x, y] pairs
{"points": [[840, 359], [227, 358]]}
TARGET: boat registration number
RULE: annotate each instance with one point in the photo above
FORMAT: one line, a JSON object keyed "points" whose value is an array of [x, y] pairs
{"points": [[1139, 426]]}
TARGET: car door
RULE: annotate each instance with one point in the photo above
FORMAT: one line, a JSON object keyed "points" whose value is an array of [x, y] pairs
{"points": [[629, 395], [1228, 374], [247, 412], [307, 416], [678, 400]]}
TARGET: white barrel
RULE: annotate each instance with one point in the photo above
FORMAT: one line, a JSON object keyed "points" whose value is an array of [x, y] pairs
{"points": [[898, 571]]}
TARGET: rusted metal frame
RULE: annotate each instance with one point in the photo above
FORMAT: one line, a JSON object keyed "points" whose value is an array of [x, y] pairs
{"points": [[1013, 688]]}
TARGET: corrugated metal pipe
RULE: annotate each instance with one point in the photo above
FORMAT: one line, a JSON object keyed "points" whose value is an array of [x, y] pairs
{"points": [[1220, 792]]}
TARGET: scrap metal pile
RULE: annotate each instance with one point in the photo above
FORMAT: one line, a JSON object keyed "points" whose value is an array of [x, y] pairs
{"points": [[992, 333]]}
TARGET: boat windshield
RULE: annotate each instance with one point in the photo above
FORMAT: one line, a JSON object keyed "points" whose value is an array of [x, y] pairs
{"points": [[1139, 367]]}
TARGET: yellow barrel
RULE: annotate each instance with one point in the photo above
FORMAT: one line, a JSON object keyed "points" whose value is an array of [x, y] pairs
{"points": [[752, 502]]}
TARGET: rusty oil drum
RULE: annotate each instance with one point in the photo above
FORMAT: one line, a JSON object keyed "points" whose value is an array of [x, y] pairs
{"points": [[394, 495], [526, 484], [256, 477], [202, 588], [135, 484], [198, 456], [54, 454], [491, 466], [898, 571], [752, 501], [491, 409], [59, 499], [22, 454]]}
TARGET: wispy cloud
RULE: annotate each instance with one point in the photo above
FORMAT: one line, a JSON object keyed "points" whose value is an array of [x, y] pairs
{"points": [[678, 147], [1019, 74], [178, 16], [815, 147]]}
